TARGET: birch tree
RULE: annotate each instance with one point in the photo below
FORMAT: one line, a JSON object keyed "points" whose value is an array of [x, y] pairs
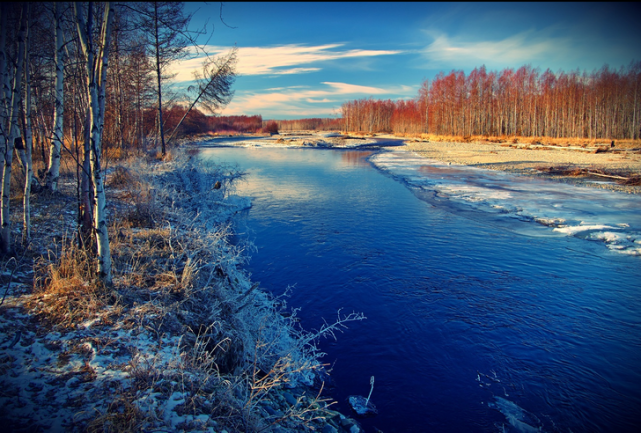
{"points": [[96, 60], [4, 123], [53, 170], [28, 137], [10, 130], [213, 85]]}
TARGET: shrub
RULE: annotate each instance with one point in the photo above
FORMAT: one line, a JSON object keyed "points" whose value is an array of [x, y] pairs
{"points": [[271, 127]]}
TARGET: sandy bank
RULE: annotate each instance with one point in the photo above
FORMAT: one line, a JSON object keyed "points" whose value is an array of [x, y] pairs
{"points": [[529, 160], [299, 140], [535, 160]]}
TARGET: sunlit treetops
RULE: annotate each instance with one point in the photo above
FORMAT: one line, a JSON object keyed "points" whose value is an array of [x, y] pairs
{"points": [[525, 102]]}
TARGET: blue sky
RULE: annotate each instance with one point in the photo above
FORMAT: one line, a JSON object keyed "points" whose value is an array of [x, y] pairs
{"points": [[305, 59]]}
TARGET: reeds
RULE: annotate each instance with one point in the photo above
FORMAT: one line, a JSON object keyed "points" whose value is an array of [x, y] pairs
{"points": [[545, 141], [177, 279]]}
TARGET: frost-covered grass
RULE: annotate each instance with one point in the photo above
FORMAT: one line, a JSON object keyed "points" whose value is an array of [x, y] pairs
{"points": [[183, 341]]}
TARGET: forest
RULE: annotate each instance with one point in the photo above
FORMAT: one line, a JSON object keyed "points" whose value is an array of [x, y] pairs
{"points": [[123, 258], [525, 102], [89, 81], [92, 80], [315, 123]]}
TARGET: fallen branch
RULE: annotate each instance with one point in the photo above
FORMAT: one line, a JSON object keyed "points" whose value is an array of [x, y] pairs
{"points": [[611, 176]]}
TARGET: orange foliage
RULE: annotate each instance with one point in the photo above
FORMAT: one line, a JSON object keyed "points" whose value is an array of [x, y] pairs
{"points": [[524, 103]]}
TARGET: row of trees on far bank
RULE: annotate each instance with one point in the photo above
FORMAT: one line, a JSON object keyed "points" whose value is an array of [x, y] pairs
{"points": [[310, 124], [79, 78], [525, 102]]}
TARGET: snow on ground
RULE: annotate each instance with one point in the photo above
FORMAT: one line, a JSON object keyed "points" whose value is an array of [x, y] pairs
{"points": [[317, 140], [184, 341], [610, 217]]}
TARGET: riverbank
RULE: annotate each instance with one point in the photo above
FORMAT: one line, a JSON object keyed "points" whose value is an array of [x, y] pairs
{"points": [[564, 164], [183, 341], [302, 139], [595, 165]]}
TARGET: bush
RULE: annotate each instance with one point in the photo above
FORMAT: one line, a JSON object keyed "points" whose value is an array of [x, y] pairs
{"points": [[271, 127]]}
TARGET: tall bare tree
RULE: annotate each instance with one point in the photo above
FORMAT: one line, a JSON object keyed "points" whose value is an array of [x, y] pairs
{"points": [[9, 114], [96, 57], [28, 136], [213, 85], [53, 170], [164, 26]]}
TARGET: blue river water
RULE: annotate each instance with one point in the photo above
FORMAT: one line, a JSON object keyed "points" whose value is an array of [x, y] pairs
{"points": [[472, 325]]}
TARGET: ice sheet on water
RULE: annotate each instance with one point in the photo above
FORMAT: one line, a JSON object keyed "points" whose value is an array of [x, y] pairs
{"points": [[588, 213], [517, 417]]}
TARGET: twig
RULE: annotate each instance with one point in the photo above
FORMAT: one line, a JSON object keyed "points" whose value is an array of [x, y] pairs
{"points": [[6, 292], [371, 382], [611, 176]]}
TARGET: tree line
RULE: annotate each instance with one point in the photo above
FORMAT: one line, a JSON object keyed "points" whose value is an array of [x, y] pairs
{"points": [[310, 124], [601, 104], [79, 78]]}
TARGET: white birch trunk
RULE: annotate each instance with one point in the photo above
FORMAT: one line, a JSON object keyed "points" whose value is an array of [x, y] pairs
{"points": [[5, 230], [28, 140], [96, 82], [4, 90], [53, 170]]}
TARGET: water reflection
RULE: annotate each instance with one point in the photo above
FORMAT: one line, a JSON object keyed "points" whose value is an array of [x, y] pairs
{"points": [[356, 158], [469, 327]]}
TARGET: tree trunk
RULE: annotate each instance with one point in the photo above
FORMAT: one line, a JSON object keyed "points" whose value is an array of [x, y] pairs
{"points": [[53, 170], [96, 83], [5, 230], [85, 211], [28, 140], [161, 129]]}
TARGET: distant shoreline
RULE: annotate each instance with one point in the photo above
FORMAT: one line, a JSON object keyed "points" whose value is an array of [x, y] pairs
{"points": [[560, 164], [568, 164]]}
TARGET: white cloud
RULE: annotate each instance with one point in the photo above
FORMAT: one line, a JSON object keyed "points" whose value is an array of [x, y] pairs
{"points": [[319, 101], [344, 88], [296, 71], [277, 60], [302, 101], [516, 50]]}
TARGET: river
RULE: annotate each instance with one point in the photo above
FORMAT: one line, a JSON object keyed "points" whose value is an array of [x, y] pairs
{"points": [[475, 321]]}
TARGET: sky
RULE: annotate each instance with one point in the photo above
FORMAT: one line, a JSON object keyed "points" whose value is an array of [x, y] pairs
{"points": [[305, 59]]}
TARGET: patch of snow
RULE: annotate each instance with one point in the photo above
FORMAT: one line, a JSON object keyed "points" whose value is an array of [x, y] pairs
{"points": [[570, 210]]}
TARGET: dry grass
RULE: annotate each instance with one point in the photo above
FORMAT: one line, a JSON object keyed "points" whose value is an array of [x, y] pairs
{"points": [[176, 276], [509, 139], [122, 415], [67, 291], [572, 171]]}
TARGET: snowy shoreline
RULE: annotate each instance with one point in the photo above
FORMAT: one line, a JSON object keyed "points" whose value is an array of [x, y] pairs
{"points": [[519, 159], [445, 168], [533, 161], [184, 341], [521, 203]]}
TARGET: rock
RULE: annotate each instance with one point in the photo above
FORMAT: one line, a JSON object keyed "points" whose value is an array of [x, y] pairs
{"points": [[346, 423], [601, 149], [329, 429], [362, 406], [273, 412], [289, 399]]}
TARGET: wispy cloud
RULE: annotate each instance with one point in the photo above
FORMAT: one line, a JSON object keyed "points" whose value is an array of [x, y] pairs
{"points": [[525, 47], [304, 101], [344, 88], [278, 60], [296, 71]]}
